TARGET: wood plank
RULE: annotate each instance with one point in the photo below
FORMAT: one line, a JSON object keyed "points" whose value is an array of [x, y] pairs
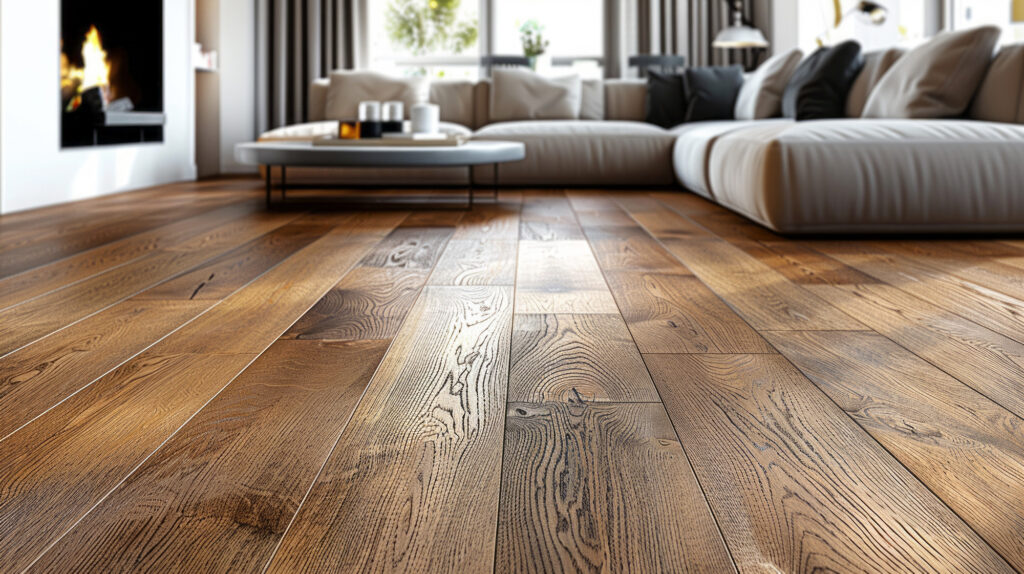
{"points": [[53, 470], [469, 262], [796, 485], [414, 481], [28, 322], [219, 495], [41, 280], [368, 303], [620, 248], [492, 222], [576, 358], [678, 314], [548, 216], [560, 277], [966, 448], [982, 359], [409, 248], [601, 488]]}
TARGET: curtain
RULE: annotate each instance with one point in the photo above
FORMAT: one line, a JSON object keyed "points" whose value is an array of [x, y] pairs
{"points": [[682, 27], [300, 41]]}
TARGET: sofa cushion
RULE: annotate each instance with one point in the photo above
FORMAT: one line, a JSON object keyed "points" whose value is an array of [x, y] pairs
{"points": [[625, 100], [820, 84], [876, 64], [1001, 95], [455, 98], [711, 92], [937, 79], [348, 88], [584, 152], [666, 100], [761, 94], [525, 95], [592, 100], [692, 150], [873, 176], [318, 100]]}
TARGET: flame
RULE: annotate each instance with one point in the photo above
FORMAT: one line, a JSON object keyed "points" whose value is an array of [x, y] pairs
{"points": [[94, 73]]}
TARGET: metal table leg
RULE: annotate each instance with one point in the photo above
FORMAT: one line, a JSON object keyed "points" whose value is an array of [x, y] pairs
{"points": [[471, 187], [269, 176], [284, 184]]}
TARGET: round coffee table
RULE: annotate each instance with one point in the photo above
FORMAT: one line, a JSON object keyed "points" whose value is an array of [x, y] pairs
{"points": [[305, 154]]}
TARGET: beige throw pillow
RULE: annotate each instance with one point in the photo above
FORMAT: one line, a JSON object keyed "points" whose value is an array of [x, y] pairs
{"points": [[876, 64], [761, 94], [525, 95], [937, 79], [347, 89], [1001, 95]]}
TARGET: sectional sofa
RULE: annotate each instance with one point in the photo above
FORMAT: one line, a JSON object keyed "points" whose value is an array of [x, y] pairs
{"points": [[828, 176]]}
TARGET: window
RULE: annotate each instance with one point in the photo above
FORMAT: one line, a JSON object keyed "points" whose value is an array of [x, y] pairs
{"points": [[437, 38], [971, 13], [441, 38]]}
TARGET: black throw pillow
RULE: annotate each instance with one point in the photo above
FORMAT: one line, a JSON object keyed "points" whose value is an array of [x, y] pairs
{"points": [[711, 92], [666, 102], [819, 86]]}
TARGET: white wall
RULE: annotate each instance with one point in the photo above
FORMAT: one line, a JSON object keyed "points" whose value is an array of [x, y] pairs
{"points": [[34, 171], [237, 46]]}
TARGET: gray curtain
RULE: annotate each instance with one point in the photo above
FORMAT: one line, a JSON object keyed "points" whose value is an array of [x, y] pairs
{"points": [[683, 27], [300, 41]]}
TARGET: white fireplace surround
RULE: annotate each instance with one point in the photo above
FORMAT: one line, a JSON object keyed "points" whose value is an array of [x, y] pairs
{"points": [[34, 171]]}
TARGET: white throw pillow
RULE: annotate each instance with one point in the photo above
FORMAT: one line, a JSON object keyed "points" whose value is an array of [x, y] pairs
{"points": [[937, 79], [876, 64], [761, 94], [347, 89], [525, 95]]}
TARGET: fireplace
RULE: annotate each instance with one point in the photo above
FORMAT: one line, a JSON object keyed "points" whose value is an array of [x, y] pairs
{"points": [[111, 81]]}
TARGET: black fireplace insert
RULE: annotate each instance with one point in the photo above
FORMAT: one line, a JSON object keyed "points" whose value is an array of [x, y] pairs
{"points": [[112, 72]]}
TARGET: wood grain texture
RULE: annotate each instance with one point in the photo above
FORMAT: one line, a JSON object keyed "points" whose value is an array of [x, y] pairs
{"points": [[796, 485], [982, 359], [620, 248], [548, 216], [409, 248], [491, 222], [219, 495], [601, 488], [560, 277], [368, 303], [41, 280], [678, 314], [413, 484], [576, 358], [967, 449], [468, 262]]}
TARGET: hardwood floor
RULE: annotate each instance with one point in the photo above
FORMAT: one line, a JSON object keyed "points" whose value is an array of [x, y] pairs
{"points": [[557, 381]]}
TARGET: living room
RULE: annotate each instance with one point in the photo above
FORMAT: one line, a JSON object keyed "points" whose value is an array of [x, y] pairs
{"points": [[512, 285]]}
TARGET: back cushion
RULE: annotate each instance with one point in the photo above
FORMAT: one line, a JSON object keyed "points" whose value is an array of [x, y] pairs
{"points": [[592, 105], [318, 99], [455, 98], [525, 95], [347, 89], [761, 94], [937, 79], [819, 86], [876, 64], [625, 100], [1001, 95]]}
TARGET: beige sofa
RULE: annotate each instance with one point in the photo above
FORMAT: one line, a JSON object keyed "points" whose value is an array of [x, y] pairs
{"points": [[835, 176]]}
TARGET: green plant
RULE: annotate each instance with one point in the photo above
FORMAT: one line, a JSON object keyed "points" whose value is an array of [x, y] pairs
{"points": [[428, 26], [531, 34]]}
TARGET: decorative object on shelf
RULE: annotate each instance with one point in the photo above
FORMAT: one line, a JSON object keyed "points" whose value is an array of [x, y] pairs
{"points": [[873, 13], [348, 129], [393, 117], [531, 35], [369, 120], [741, 34], [426, 118]]}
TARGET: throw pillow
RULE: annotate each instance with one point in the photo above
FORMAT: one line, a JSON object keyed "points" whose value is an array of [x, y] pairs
{"points": [[666, 100], [525, 95], [347, 89], [876, 64], [711, 92], [761, 94], [820, 84], [1001, 95], [937, 79]]}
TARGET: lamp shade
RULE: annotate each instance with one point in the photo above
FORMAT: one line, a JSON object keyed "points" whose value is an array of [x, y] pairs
{"points": [[740, 36], [1018, 11]]}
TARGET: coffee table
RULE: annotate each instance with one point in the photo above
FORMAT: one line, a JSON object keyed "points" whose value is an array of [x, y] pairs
{"points": [[305, 154]]}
